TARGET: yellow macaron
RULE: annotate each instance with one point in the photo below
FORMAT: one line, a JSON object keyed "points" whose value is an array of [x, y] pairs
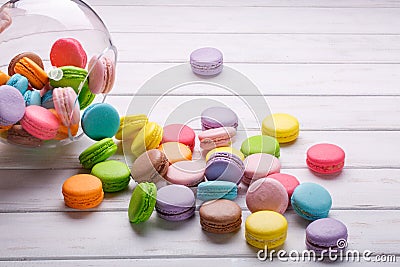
{"points": [[266, 229], [284, 127], [228, 149], [129, 126], [149, 137]]}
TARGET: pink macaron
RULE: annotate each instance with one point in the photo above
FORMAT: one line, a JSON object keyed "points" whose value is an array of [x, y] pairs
{"points": [[217, 137], [259, 165], [40, 122], [325, 158], [66, 105], [267, 194], [189, 173], [101, 75], [179, 133], [68, 52], [290, 182]]}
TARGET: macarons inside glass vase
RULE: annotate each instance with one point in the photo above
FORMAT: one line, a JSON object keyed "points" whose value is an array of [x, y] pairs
{"points": [[74, 51]]}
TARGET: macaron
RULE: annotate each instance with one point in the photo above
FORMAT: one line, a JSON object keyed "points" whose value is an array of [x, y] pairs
{"points": [[98, 152], [5, 128], [100, 120], [3, 78], [35, 74], [32, 98], [206, 61], [149, 137], [179, 133], [32, 56], [77, 78], [68, 52], [114, 175], [325, 235], [227, 149], [288, 181], [17, 135], [176, 151], [216, 190], [259, 165], [101, 75], [63, 131], [12, 105], [325, 158], [311, 201], [266, 229], [130, 125], [224, 166], [284, 127], [5, 20], [47, 100], [215, 117], [40, 122], [20, 82], [217, 137], [220, 216], [142, 203], [260, 144], [82, 191], [66, 105], [175, 203], [188, 173], [267, 194], [151, 166]]}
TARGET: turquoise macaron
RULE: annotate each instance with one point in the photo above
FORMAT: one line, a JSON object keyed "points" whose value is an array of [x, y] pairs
{"points": [[18, 81], [32, 98], [217, 189], [100, 120], [311, 201]]}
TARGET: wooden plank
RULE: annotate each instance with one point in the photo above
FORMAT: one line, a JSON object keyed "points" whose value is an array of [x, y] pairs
{"points": [[261, 48], [251, 3], [250, 19], [282, 79], [364, 149], [40, 190], [79, 235]]}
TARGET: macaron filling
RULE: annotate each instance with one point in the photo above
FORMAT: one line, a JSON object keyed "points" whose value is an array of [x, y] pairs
{"points": [[326, 168]]}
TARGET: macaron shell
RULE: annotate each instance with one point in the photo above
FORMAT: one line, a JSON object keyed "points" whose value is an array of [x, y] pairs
{"points": [[325, 233], [68, 52], [290, 182], [18, 81], [36, 76], [224, 166], [12, 105], [3, 78], [217, 137], [215, 117], [114, 175], [217, 189], [260, 165], [179, 133], [66, 105], [188, 173], [267, 194], [129, 126], [260, 144], [32, 56], [151, 166], [228, 149], [98, 152], [142, 203], [40, 122], [325, 158], [149, 137], [32, 98], [284, 127], [176, 152], [206, 61], [101, 76]]}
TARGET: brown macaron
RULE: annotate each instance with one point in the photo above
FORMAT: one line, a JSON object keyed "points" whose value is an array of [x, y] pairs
{"points": [[32, 56], [151, 166], [220, 216], [17, 135]]}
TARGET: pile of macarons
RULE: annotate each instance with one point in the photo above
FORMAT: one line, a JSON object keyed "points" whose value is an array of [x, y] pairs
{"points": [[169, 181], [39, 104]]}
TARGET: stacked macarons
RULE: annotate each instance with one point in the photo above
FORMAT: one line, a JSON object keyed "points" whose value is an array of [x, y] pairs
{"points": [[50, 97]]}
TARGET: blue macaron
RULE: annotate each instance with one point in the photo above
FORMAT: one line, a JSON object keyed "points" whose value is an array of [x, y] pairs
{"points": [[100, 120], [47, 100], [311, 201], [18, 81], [32, 98], [224, 166], [216, 189]]}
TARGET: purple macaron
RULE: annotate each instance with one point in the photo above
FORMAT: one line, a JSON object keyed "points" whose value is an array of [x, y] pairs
{"points": [[326, 234], [224, 166], [175, 202], [216, 117], [12, 105], [206, 61]]}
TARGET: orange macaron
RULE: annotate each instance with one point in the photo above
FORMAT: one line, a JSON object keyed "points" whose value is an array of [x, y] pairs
{"points": [[82, 191], [176, 151]]}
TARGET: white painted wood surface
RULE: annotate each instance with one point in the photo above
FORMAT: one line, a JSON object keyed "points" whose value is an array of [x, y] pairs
{"points": [[332, 64]]}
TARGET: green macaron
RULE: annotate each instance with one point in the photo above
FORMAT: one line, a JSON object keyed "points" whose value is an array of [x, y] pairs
{"points": [[142, 202], [98, 152], [73, 77], [260, 144], [115, 175]]}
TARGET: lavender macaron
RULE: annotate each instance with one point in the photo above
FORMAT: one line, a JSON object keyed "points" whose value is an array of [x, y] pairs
{"points": [[224, 166], [175, 202], [12, 105], [216, 117], [206, 61], [326, 234]]}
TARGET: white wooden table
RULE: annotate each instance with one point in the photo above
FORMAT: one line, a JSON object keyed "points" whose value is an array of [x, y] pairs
{"points": [[335, 65]]}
